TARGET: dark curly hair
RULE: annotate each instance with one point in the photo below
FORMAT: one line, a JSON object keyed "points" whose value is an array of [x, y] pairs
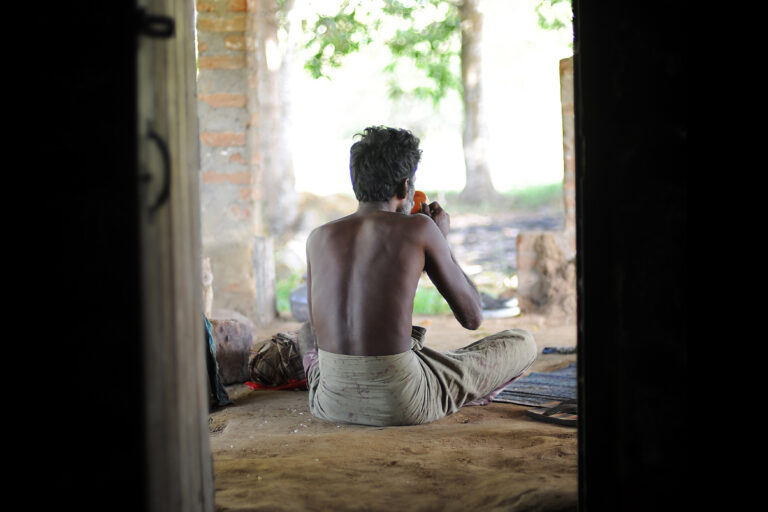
{"points": [[381, 160]]}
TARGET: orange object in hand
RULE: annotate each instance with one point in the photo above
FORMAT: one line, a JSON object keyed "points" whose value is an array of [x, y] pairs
{"points": [[418, 198]]}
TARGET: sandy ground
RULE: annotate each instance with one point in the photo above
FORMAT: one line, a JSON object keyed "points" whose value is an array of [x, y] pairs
{"points": [[270, 454]]}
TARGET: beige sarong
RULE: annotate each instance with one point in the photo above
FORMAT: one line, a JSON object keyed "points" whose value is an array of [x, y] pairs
{"points": [[417, 386]]}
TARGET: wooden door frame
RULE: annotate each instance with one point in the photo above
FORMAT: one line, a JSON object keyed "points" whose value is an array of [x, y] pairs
{"points": [[179, 469]]}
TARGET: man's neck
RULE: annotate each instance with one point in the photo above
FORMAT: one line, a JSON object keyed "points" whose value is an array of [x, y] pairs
{"points": [[365, 207]]}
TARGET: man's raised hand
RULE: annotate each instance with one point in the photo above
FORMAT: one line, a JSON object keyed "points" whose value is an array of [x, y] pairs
{"points": [[437, 214]]}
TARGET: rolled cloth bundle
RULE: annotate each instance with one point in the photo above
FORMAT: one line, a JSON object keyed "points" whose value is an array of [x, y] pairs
{"points": [[276, 363]]}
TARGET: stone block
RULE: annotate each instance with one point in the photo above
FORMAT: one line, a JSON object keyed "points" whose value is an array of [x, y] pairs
{"points": [[546, 267], [234, 341]]}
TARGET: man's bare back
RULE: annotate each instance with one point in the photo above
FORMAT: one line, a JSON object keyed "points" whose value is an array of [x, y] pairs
{"points": [[363, 271]]}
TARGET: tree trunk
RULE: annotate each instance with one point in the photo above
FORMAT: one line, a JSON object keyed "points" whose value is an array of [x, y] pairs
{"points": [[475, 139], [272, 114]]}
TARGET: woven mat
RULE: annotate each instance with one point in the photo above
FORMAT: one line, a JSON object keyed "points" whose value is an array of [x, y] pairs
{"points": [[541, 387]]}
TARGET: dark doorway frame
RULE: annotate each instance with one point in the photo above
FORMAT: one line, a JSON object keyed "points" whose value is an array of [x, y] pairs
{"points": [[631, 170]]}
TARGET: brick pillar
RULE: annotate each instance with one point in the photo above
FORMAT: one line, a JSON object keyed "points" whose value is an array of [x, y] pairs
{"points": [[230, 205], [569, 137], [546, 259]]}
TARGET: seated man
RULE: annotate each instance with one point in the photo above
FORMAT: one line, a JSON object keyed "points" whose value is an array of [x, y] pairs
{"points": [[363, 360]]}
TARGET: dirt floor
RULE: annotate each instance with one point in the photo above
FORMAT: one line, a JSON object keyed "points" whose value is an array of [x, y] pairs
{"points": [[270, 454]]}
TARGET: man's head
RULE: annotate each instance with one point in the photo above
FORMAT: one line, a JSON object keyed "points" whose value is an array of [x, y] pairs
{"points": [[381, 161]]}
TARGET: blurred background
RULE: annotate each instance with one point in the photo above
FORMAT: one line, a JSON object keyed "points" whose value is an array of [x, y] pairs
{"points": [[478, 81], [521, 86]]}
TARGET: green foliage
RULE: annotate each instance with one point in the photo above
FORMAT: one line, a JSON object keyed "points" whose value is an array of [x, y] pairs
{"points": [[428, 301], [535, 197], [428, 37], [549, 18], [284, 287], [433, 50], [334, 37]]}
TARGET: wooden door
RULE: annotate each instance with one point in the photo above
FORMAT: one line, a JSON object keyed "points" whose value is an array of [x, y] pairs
{"points": [[179, 464]]}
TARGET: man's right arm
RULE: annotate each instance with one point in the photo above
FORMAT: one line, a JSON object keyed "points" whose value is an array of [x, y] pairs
{"points": [[453, 284]]}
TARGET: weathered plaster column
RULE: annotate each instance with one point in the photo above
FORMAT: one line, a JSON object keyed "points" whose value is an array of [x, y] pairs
{"points": [[569, 147], [260, 144], [269, 137], [231, 213]]}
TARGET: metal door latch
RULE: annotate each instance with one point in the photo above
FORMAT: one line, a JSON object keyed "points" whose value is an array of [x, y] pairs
{"points": [[165, 190], [154, 26]]}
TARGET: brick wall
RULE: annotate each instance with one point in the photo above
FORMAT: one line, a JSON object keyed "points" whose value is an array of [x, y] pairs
{"points": [[230, 206]]}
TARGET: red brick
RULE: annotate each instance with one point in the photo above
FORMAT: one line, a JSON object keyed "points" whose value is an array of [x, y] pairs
{"points": [[237, 5], [235, 42], [202, 47], [221, 100], [236, 287], [205, 6], [221, 62], [241, 213], [237, 158], [230, 178], [223, 139], [235, 23], [247, 193]]}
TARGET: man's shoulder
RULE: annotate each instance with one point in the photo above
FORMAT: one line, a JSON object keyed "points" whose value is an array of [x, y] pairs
{"points": [[426, 226], [416, 224], [331, 224], [400, 219], [329, 229], [336, 224], [419, 219]]}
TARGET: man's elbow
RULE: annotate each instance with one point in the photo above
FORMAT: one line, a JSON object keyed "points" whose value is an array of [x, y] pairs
{"points": [[473, 321]]}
